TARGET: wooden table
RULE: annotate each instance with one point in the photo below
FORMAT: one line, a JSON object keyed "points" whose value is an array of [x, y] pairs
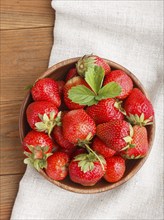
{"points": [[26, 41]]}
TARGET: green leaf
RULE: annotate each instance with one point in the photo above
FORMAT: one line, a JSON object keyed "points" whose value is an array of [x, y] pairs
{"points": [[132, 145], [80, 157], [89, 166], [28, 87], [82, 163], [30, 147], [94, 77], [89, 136], [118, 105], [142, 117], [102, 159], [47, 155], [127, 139], [45, 118], [82, 95], [45, 149], [40, 116], [38, 148], [52, 115], [138, 157], [27, 154], [91, 157], [40, 126], [37, 164], [125, 148], [58, 119], [86, 166], [27, 161], [110, 90], [137, 118]]}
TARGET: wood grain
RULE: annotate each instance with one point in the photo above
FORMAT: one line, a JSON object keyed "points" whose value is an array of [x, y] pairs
{"points": [[11, 156], [25, 55], [26, 41], [9, 186], [23, 59], [26, 14]]}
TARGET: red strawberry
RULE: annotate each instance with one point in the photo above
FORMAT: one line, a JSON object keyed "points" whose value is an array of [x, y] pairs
{"points": [[56, 147], [101, 148], [115, 134], [60, 86], [89, 61], [41, 116], [115, 169], [138, 108], [75, 81], [57, 134], [78, 126], [72, 72], [79, 151], [35, 138], [120, 77], [68, 151], [140, 142], [104, 111], [86, 169], [57, 166], [37, 148], [46, 90]]}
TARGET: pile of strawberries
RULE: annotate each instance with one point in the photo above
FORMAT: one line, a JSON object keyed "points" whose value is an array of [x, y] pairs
{"points": [[87, 126]]}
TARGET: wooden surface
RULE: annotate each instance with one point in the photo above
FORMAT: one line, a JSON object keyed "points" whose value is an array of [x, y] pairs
{"points": [[26, 41]]}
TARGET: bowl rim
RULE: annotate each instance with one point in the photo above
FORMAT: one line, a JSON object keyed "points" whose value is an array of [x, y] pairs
{"points": [[89, 190]]}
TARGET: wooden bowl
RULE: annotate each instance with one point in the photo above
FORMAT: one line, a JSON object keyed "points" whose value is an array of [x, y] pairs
{"points": [[58, 72]]}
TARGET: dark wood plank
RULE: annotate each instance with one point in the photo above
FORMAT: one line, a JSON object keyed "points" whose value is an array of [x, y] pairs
{"points": [[26, 41], [9, 188], [11, 153], [25, 54], [26, 14]]}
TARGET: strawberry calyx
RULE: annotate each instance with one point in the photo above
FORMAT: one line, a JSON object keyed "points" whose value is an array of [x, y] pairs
{"points": [[82, 143], [58, 119], [99, 158], [132, 156], [86, 161], [37, 157], [84, 63], [128, 139], [28, 87], [128, 146], [85, 144], [118, 105], [48, 122], [139, 120]]}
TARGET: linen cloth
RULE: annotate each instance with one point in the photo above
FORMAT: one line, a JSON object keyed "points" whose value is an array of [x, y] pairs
{"points": [[129, 33]]}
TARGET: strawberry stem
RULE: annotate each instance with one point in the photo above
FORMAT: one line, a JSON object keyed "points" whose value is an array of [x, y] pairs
{"points": [[117, 105], [28, 87], [47, 123], [90, 150]]}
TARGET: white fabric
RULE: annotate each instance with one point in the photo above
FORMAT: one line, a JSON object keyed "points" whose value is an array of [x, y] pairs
{"points": [[130, 33]]}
